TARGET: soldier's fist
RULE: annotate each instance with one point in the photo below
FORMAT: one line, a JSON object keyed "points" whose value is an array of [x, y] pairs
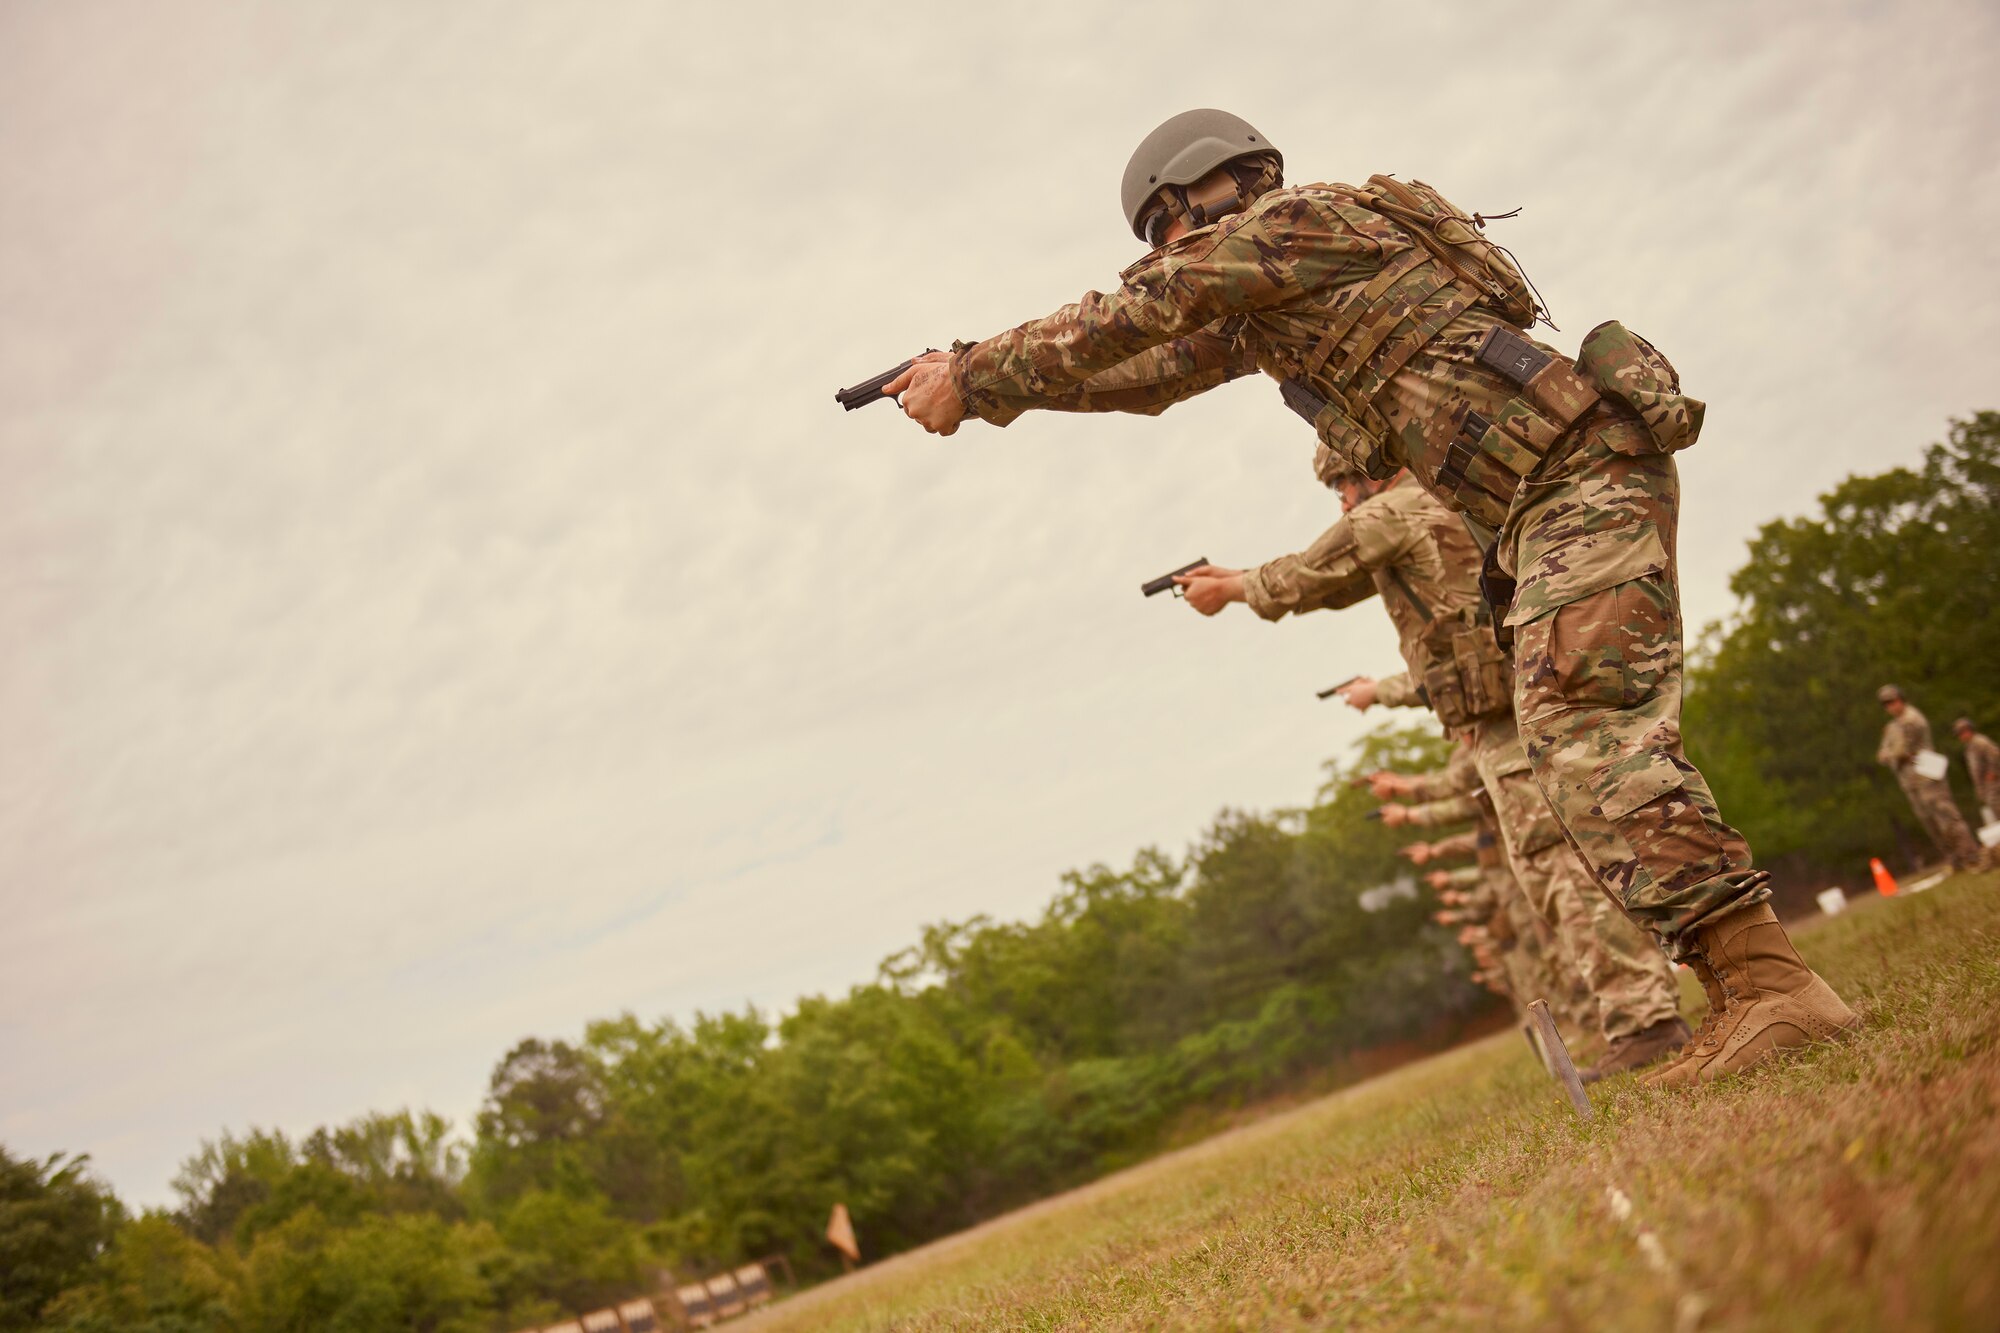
{"points": [[1386, 784], [1359, 693], [1210, 588], [928, 395]]}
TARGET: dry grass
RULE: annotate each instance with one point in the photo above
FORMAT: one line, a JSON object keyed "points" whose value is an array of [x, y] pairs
{"points": [[1850, 1187]]}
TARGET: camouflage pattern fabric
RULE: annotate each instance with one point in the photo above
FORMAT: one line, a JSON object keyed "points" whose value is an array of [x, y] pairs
{"points": [[1456, 846], [1939, 814], [1409, 543], [1589, 537], [1443, 812], [1530, 952], [1401, 690], [1258, 291], [1982, 761], [1458, 777], [1464, 878], [1627, 978], [1903, 739]]}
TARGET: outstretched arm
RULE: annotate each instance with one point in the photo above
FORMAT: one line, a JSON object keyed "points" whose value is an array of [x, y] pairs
{"points": [[1185, 296]]}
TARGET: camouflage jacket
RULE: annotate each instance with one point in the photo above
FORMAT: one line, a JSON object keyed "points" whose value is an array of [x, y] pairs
{"points": [[1448, 810], [1401, 543], [1464, 844], [1466, 879], [1401, 690], [1903, 739], [1982, 760], [1258, 291], [1459, 777]]}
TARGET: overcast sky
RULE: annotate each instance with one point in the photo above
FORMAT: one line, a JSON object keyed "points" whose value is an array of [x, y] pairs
{"points": [[443, 603]]}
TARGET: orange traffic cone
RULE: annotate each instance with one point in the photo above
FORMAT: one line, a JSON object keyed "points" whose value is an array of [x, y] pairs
{"points": [[1885, 883]]}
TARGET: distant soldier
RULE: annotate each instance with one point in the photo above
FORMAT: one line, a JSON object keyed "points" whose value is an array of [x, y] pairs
{"points": [[1400, 542], [1906, 738], [1982, 760]]}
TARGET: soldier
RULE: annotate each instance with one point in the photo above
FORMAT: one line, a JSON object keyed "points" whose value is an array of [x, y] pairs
{"points": [[1398, 329], [1982, 761], [1538, 967], [1905, 737], [1399, 541]]}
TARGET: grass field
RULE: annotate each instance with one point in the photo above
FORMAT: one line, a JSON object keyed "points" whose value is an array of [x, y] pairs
{"points": [[1849, 1187]]}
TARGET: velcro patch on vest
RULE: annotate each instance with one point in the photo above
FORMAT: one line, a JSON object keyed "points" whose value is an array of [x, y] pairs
{"points": [[1511, 356]]}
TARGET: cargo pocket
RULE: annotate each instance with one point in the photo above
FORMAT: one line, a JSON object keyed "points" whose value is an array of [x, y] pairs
{"points": [[1627, 368], [1609, 650], [1644, 797]]}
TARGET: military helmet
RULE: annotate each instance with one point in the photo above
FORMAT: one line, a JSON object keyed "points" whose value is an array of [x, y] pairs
{"points": [[1332, 467], [1962, 724], [1181, 151], [1888, 692]]}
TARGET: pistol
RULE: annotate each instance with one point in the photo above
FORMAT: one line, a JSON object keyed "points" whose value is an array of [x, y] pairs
{"points": [[870, 390], [1332, 690], [1166, 581]]}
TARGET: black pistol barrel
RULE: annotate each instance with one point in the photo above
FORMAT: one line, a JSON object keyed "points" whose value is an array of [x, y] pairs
{"points": [[1164, 583], [1332, 690], [870, 390]]}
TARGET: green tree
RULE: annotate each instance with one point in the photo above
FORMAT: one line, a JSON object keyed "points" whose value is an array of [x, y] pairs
{"points": [[155, 1278], [386, 1272], [1890, 582], [55, 1220]]}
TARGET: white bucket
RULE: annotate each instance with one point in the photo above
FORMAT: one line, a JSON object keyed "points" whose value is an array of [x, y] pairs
{"points": [[1990, 835], [1833, 901], [1930, 764]]}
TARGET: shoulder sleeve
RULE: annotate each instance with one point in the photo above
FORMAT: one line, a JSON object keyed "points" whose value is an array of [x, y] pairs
{"points": [[1450, 810], [1458, 778], [1458, 844], [1324, 576], [1387, 528], [1400, 691], [1284, 246]]}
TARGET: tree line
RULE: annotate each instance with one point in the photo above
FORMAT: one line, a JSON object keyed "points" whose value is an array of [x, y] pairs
{"points": [[1891, 582], [991, 1063]]}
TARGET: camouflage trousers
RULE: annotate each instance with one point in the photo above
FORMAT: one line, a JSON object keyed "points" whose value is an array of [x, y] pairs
{"points": [[1989, 796], [1597, 688], [1631, 983], [1534, 963], [1941, 818], [1627, 981]]}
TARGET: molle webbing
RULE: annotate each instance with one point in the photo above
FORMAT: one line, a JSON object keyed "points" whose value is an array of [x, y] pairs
{"points": [[1487, 460], [1384, 325]]}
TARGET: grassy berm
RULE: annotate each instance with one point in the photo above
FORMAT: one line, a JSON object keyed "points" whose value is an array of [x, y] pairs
{"points": [[1849, 1187]]}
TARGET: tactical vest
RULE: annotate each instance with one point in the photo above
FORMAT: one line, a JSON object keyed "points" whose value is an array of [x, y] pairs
{"points": [[1379, 325], [1465, 674]]}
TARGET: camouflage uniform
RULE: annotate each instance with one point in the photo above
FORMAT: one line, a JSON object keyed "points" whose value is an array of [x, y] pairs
{"points": [[1903, 739], [1982, 761], [1456, 846], [1588, 535], [1538, 961], [1404, 544]]}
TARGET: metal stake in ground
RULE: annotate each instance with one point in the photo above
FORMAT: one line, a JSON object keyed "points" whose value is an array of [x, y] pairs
{"points": [[1558, 1057]]}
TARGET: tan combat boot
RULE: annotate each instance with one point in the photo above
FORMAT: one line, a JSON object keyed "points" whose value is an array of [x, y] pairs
{"points": [[1718, 1004], [1773, 1000], [1642, 1048]]}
